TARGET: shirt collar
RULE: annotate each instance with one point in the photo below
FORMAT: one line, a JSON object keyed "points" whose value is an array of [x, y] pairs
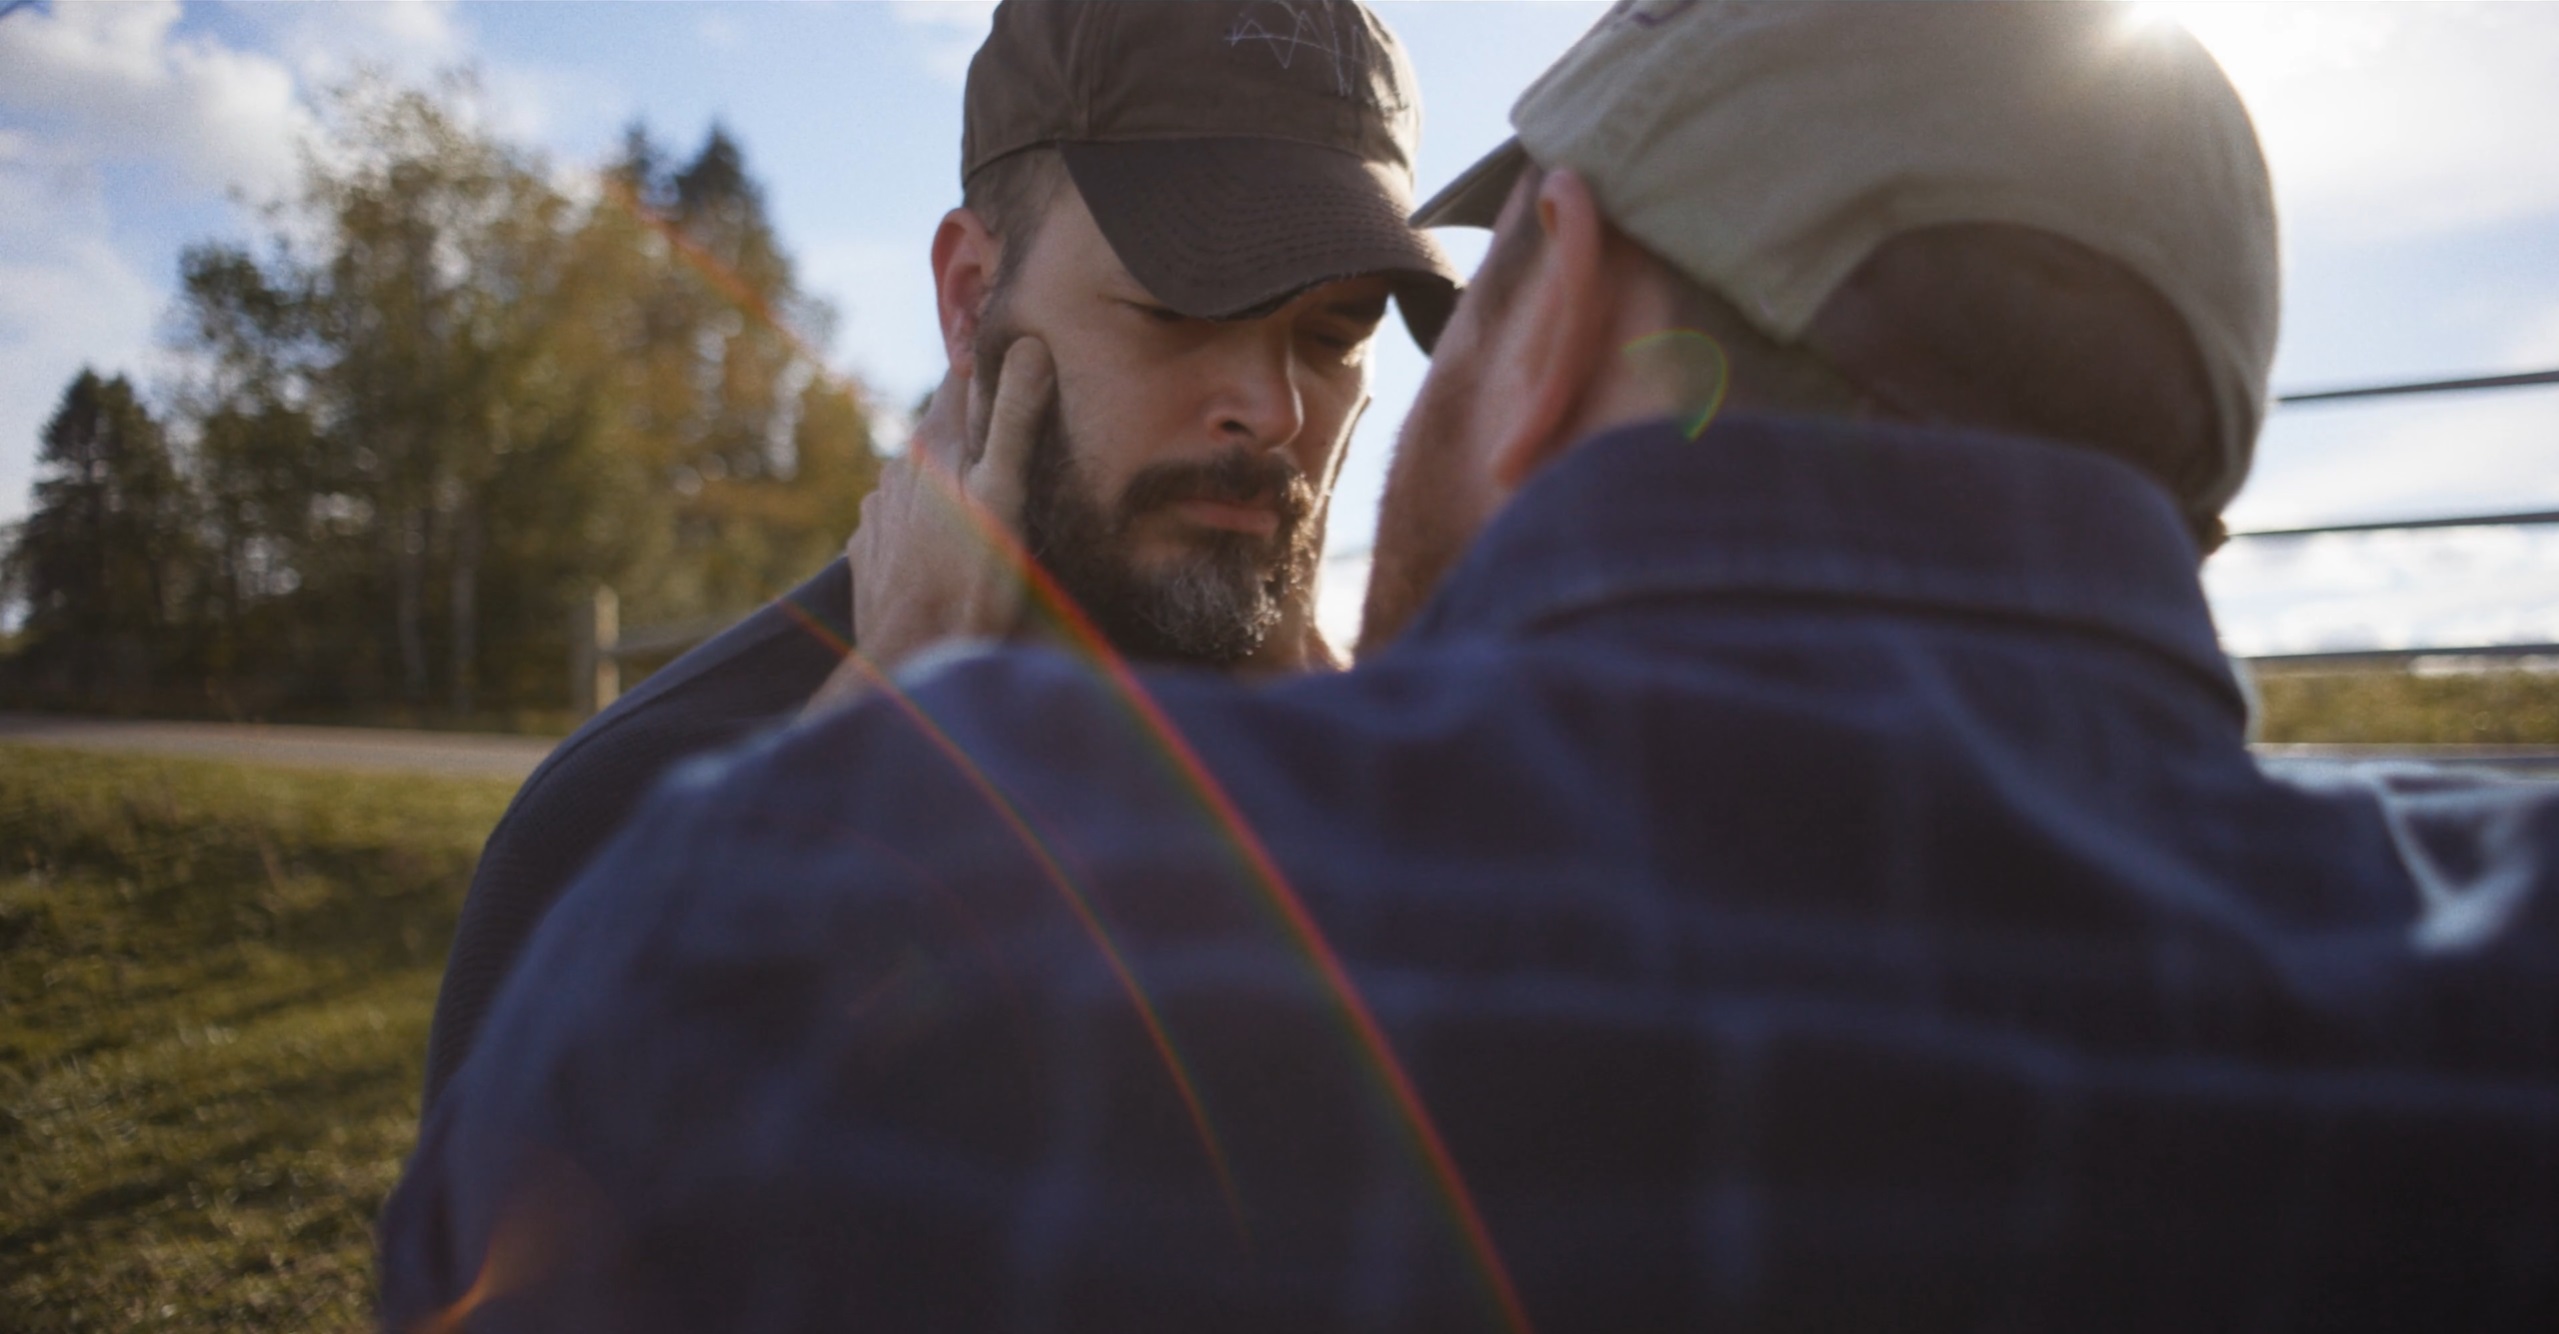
{"points": [[1917, 517]]}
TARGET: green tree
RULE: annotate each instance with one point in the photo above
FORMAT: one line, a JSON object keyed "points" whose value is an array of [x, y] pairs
{"points": [[102, 566], [764, 455], [449, 396], [275, 501]]}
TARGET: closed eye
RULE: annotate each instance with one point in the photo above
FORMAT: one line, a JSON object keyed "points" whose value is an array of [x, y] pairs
{"points": [[1342, 326], [1344, 337]]}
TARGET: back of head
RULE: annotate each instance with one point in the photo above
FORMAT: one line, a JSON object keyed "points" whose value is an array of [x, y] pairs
{"points": [[2036, 218], [2005, 328]]}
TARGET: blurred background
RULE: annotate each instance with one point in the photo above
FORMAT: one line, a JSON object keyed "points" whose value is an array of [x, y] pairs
{"points": [[426, 321], [449, 366]]}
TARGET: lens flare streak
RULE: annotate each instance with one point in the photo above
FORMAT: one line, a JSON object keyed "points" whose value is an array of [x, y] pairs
{"points": [[1262, 870], [1697, 369], [551, 1202], [1056, 874]]}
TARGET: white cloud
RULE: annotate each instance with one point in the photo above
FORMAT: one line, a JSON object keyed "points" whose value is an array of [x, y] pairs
{"points": [[948, 32], [2388, 459], [2535, 346], [86, 88], [113, 82], [67, 299], [2407, 458], [552, 105], [2386, 122], [411, 39], [93, 93], [2440, 588]]}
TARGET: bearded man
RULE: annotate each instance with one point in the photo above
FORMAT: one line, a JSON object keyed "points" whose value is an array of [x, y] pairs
{"points": [[1183, 222]]}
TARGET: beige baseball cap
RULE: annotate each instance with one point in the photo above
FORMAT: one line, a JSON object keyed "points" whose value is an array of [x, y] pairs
{"points": [[1234, 152], [1767, 149]]}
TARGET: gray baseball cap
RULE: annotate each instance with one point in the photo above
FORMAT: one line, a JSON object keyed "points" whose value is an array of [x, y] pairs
{"points": [[1233, 154], [1767, 149]]}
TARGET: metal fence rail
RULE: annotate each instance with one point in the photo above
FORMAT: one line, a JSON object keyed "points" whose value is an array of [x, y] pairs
{"points": [[2515, 381], [2524, 519], [2384, 657]]}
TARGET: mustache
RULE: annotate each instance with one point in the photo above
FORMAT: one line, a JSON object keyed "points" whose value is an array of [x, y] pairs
{"points": [[1240, 476]]}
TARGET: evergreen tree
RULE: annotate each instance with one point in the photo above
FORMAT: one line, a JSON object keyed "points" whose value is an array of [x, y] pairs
{"points": [[103, 565]]}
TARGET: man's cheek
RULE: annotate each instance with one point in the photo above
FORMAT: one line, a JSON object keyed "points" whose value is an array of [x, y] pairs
{"points": [[1099, 441]]}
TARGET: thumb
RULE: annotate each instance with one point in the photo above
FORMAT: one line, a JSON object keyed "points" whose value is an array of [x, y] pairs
{"points": [[1025, 396]]}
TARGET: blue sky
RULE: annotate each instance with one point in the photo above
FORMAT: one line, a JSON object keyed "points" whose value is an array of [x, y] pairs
{"points": [[2419, 196]]}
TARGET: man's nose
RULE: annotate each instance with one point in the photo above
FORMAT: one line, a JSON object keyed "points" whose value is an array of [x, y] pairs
{"points": [[1258, 404]]}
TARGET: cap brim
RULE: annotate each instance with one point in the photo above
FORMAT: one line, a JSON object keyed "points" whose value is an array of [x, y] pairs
{"points": [[1222, 228], [1476, 197]]}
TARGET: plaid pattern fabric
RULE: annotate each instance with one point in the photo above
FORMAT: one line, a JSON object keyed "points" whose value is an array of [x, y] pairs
{"points": [[1760, 959]]}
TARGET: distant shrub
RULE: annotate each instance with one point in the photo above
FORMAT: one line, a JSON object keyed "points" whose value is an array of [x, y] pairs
{"points": [[2485, 708]]}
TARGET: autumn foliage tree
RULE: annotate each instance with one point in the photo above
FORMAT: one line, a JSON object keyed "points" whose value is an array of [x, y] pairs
{"points": [[450, 393]]}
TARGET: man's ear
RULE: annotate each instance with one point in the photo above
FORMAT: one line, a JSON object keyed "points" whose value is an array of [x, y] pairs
{"points": [[965, 256], [1557, 328]]}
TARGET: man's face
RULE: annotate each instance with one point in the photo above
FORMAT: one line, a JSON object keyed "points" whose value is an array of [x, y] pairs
{"points": [[1176, 491]]}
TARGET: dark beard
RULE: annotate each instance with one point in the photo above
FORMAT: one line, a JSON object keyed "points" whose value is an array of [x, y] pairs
{"points": [[1213, 606]]}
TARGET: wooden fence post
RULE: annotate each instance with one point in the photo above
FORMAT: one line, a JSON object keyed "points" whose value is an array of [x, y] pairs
{"points": [[595, 670]]}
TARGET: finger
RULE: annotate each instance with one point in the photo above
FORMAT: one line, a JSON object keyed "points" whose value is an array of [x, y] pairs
{"points": [[888, 491], [890, 495], [857, 547], [941, 435], [1027, 394], [863, 518], [881, 500]]}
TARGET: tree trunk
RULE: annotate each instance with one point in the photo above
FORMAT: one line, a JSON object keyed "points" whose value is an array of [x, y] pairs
{"points": [[465, 608], [409, 576]]}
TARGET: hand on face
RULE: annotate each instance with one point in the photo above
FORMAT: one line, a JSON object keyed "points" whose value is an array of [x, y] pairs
{"points": [[938, 554]]}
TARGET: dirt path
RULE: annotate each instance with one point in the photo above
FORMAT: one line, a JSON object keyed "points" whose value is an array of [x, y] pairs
{"points": [[457, 754]]}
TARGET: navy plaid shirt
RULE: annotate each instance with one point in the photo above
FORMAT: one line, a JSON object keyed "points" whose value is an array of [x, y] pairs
{"points": [[1807, 878]]}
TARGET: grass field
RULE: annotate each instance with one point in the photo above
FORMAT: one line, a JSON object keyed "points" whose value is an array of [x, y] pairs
{"points": [[2485, 708], [215, 982]]}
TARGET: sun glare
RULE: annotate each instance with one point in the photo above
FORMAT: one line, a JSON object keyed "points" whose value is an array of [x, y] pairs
{"points": [[2263, 44]]}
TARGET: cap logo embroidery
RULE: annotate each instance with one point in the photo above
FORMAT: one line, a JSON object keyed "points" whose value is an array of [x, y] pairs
{"points": [[1303, 32], [1647, 13]]}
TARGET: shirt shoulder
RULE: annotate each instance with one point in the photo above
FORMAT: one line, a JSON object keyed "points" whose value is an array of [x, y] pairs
{"points": [[748, 678]]}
